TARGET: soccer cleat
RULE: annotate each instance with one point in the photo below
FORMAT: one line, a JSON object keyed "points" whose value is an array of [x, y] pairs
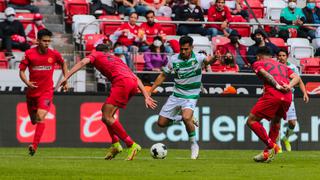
{"points": [[32, 150], [280, 150], [267, 155], [287, 144], [272, 152], [194, 151], [114, 150], [133, 151], [195, 121]]}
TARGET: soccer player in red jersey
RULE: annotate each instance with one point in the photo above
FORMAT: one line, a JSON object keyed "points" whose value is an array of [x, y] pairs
{"points": [[274, 103], [124, 85], [40, 62]]}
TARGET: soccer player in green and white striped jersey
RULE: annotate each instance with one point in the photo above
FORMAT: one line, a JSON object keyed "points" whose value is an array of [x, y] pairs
{"points": [[291, 114], [187, 70]]}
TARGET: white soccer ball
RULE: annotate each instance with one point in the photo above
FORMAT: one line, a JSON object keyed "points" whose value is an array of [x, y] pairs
{"points": [[158, 151]]}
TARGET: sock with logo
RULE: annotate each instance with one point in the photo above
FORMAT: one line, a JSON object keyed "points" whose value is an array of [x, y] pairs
{"points": [[113, 136], [40, 126], [259, 130], [121, 133], [274, 132], [192, 137]]}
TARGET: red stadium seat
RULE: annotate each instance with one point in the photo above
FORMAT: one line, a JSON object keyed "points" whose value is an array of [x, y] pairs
{"points": [[73, 7], [139, 62], [279, 42], [318, 3], [25, 18], [243, 29], [168, 28], [3, 5], [108, 28], [92, 39], [310, 65], [3, 61], [219, 41], [257, 8]]}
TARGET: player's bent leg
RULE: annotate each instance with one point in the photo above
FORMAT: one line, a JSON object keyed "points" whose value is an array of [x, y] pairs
{"points": [[164, 122], [187, 116], [133, 151], [40, 126]]}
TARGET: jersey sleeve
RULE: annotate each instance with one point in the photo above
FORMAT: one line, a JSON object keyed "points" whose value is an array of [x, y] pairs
{"points": [[257, 66], [92, 56], [290, 71], [201, 58], [25, 62], [59, 58], [168, 68]]}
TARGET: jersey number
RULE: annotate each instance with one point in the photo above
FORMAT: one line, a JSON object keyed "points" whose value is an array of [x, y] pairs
{"points": [[282, 69]]}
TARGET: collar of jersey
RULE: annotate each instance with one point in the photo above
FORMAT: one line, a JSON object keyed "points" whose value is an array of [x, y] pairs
{"points": [[192, 56]]}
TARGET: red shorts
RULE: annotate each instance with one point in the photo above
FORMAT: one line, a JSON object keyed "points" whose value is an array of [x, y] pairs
{"points": [[122, 91], [41, 102], [270, 107]]}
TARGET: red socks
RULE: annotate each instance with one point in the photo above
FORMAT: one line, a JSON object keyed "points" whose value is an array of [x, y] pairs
{"points": [[274, 132], [114, 137], [259, 130], [121, 133], [37, 136]]}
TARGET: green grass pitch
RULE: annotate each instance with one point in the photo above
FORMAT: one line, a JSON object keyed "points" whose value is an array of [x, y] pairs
{"points": [[88, 163]]}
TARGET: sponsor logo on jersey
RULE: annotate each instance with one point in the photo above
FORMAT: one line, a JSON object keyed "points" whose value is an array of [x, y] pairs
{"points": [[41, 68]]}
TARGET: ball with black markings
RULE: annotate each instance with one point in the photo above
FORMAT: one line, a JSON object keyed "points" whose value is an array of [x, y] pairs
{"points": [[158, 151]]}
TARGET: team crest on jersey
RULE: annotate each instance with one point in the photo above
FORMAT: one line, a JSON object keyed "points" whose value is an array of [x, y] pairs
{"points": [[50, 60]]}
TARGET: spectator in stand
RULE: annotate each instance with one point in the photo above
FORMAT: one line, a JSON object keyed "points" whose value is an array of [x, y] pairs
{"points": [[237, 50], [238, 7], [151, 29], [155, 58], [175, 4], [219, 13], [259, 36], [126, 7], [159, 7], [120, 51], [32, 29], [294, 18], [312, 14], [129, 35], [12, 33], [24, 5], [190, 12], [108, 6]]}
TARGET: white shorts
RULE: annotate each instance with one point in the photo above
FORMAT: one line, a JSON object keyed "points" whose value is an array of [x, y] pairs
{"points": [[291, 114], [174, 105]]}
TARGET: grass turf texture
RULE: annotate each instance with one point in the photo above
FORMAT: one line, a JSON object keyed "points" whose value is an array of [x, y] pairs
{"points": [[88, 163]]}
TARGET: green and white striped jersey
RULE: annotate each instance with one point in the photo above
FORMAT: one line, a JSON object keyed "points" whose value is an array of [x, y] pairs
{"points": [[295, 70], [187, 75]]}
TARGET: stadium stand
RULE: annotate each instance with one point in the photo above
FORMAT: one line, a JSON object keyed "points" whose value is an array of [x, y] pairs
{"points": [[310, 65], [81, 21], [108, 28], [300, 48], [74, 7], [168, 28], [274, 8]]}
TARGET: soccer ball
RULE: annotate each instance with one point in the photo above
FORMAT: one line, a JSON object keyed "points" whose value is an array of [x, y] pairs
{"points": [[158, 151]]}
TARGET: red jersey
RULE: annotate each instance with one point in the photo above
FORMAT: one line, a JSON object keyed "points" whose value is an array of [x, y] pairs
{"points": [[110, 66], [41, 67], [151, 31], [280, 73], [128, 39], [218, 16], [20, 2]]}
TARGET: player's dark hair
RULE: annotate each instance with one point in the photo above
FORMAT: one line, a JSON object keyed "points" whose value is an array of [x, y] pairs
{"points": [[186, 40], [44, 32], [102, 47], [264, 51], [283, 50], [149, 12], [133, 13]]}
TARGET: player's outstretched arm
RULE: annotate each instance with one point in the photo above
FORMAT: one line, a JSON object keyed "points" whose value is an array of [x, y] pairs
{"points": [[150, 103], [211, 59], [158, 82], [304, 91], [270, 80], [73, 70]]}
